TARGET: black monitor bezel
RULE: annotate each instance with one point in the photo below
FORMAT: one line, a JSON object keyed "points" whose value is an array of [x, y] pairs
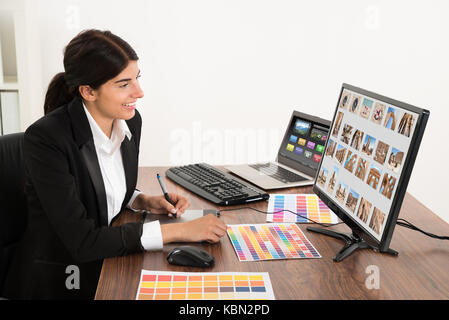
{"points": [[290, 162], [409, 161]]}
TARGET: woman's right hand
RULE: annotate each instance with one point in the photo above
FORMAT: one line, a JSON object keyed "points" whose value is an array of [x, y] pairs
{"points": [[207, 228]]}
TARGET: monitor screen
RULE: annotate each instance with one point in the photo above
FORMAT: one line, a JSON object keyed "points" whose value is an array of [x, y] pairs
{"points": [[304, 142], [365, 157]]}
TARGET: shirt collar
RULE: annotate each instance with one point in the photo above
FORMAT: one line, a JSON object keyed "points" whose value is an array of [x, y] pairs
{"points": [[120, 129]]}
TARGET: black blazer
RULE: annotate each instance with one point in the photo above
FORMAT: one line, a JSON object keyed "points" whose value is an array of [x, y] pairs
{"points": [[67, 222]]}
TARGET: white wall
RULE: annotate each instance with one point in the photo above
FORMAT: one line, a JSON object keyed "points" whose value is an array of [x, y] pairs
{"points": [[221, 78]]}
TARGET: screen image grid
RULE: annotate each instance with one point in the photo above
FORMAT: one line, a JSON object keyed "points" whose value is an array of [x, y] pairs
{"points": [[306, 142], [363, 161]]}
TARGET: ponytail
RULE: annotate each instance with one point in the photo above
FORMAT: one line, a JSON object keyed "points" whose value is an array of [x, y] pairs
{"points": [[58, 93], [91, 58]]}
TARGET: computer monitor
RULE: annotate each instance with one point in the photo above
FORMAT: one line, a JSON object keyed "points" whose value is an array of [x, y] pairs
{"points": [[366, 166]]}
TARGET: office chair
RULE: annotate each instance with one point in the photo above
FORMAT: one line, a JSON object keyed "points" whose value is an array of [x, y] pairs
{"points": [[13, 205]]}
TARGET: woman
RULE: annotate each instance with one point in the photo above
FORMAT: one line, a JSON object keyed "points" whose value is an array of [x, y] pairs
{"points": [[81, 163]]}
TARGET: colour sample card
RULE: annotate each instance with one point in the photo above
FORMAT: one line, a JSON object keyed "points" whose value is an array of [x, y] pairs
{"points": [[165, 285], [305, 205], [270, 241]]}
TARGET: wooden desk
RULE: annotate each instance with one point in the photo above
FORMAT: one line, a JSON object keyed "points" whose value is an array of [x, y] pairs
{"points": [[419, 272]]}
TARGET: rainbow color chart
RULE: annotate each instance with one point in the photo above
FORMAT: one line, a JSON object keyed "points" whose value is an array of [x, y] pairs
{"points": [[305, 205], [166, 285], [270, 241]]}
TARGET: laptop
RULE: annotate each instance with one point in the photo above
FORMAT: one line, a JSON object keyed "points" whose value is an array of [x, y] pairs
{"points": [[298, 157]]}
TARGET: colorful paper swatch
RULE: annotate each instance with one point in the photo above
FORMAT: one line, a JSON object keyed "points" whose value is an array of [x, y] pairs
{"points": [[165, 285], [305, 205], [270, 241]]}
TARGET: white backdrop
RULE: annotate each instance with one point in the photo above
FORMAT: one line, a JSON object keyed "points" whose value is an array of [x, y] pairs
{"points": [[221, 78]]}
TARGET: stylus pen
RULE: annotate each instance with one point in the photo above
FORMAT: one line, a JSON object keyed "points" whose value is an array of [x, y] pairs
{"points": [[164, 190]]}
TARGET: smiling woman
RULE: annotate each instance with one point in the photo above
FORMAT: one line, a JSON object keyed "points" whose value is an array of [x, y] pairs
{"points": [[92, 58], [81, 163], [115, 99]]}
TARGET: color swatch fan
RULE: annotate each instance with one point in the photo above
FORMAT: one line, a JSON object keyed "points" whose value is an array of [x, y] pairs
{"points": [[270, 241], [306, 206], [166, 285]]}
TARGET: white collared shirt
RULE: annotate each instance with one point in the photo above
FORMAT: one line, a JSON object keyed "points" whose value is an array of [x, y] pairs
{"points": [[113, 173]]}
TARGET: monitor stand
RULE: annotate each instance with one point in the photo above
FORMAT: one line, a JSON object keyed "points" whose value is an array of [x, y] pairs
{"points": [[352, 243]]}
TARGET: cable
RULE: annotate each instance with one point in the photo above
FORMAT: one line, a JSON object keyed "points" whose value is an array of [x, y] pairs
{"points": [[401, 222], [265, 212], [406, 224]]}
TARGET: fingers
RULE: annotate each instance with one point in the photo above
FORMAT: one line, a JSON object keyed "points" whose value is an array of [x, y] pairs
{"points": [[207, 228], [181, 204], [164, 204], [177, 206], [214, 235], [217, 234], [214, 229]]}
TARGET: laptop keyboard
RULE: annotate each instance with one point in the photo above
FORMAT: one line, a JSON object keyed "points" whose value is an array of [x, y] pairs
{"points": [[277, 172]]}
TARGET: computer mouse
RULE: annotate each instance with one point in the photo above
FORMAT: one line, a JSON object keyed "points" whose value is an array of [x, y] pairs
{"points": [[190, 256]]}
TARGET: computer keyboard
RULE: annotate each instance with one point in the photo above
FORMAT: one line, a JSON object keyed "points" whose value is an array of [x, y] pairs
{"points": [[277, 172], [215, 185]]}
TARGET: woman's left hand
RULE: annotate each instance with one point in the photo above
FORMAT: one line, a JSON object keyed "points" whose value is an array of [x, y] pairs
{"points": [[159, 205]]}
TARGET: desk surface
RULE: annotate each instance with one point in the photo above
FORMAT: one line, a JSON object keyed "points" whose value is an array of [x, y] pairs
{"points": [[419, 272]]}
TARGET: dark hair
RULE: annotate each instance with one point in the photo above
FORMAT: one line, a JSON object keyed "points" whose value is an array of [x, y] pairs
{"points": [[91, 58]]}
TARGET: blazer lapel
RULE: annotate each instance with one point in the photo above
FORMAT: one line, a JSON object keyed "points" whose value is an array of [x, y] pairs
{"points": [[84, 139], [129, 157], [91, 160]]}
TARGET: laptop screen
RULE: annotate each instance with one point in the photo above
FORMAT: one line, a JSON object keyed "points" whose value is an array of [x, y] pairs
{"points": [[304, 140]]}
